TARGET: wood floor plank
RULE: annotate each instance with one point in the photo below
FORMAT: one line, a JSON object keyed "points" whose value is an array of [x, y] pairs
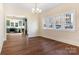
{"points": [[20, 45]]}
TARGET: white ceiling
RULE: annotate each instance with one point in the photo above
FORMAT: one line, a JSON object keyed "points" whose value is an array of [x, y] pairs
{"points": [[29, 6]]}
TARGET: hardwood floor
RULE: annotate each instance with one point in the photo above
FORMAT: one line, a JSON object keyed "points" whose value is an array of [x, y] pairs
{"points": [[18, 44]]}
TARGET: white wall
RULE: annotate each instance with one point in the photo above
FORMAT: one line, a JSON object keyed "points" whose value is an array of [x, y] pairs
{"points": [[63, 36], [32, 21], [2, 26]]}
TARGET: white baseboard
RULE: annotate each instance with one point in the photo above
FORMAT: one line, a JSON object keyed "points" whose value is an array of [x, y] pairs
{"points": [[32, 35], [64, 41]]}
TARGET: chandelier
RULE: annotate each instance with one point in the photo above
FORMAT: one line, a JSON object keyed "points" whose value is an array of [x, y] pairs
{"points": [[36, 10]]}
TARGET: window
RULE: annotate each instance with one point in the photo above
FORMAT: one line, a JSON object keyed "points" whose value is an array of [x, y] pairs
{"points": [[48, 23], [68, 22], [58, 24], [8, 22], [64, 21], [12, 24], [16, 24], [20, 23]]}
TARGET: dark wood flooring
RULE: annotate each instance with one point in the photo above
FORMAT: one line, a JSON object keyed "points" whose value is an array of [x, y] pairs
{"points": [[17, 44]]}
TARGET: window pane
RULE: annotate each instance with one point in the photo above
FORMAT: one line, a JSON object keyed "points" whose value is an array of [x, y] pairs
{"points": [[16, 24], [12, 24], [8, 22], [20, 23]]}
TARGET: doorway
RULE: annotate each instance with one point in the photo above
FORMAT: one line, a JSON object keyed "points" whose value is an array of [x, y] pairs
{"points": [[16, 25]]}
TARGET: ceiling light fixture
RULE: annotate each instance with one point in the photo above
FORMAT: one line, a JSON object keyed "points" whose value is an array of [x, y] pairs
{"points": [[36, 10]]}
